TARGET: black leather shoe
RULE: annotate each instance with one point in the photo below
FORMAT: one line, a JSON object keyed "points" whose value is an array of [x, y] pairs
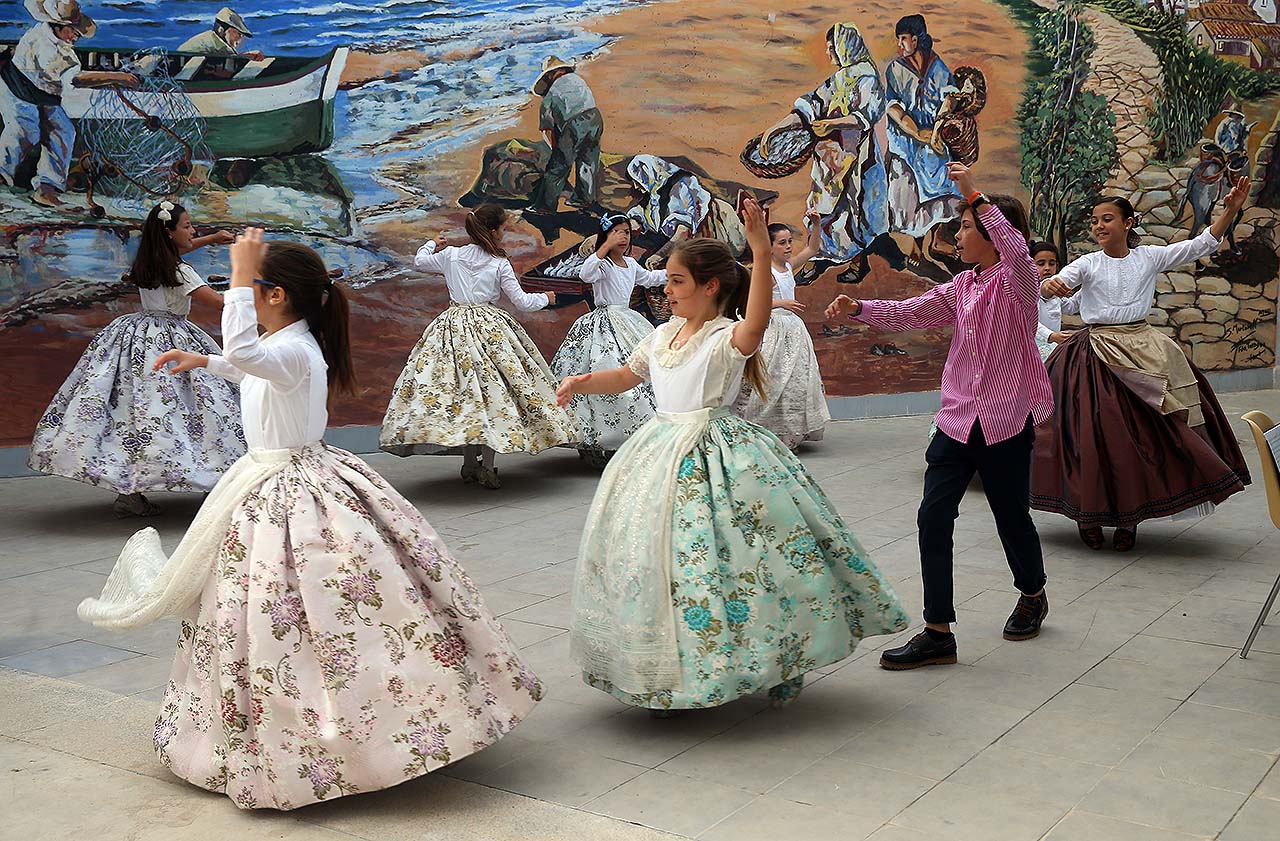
{"points": [[1030, 611], [921, 650]]}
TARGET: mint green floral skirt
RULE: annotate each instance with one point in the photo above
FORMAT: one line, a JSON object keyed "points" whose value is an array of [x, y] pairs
{"points": [[767, 581]]}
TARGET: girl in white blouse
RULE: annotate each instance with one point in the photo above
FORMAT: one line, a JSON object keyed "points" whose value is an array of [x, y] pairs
{"points": [[1138, 433], [794, 403], [330, 644], [712, 565], [476, 383], [604, 338], [115, 425]]}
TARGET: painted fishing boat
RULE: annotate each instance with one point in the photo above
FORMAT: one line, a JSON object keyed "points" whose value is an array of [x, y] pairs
{"points": [[280, 105]]}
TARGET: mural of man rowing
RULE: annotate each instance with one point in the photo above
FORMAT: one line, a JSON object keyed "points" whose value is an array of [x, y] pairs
{"points": [[37, 73]]}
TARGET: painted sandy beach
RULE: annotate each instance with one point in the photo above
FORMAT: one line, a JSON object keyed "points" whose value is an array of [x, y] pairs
{"points": [[671, 78]]}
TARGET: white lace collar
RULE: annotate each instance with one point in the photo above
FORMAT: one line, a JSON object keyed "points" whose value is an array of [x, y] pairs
{"points": [[669, 357]]}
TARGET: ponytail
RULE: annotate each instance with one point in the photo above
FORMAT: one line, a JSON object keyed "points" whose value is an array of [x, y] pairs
{"points": [[334, 337], [484, 226], [313, 296], [710, 259]]}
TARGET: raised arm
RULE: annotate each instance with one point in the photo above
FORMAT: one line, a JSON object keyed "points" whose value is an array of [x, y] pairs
{"points": [[524, 301], [285, 365], [749, 332], [813, 244], [1233, 204], [1020, 277], [428, 259]]}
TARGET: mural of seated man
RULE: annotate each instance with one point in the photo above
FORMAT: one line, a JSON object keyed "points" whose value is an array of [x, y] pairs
{"points": [[225, 38]]}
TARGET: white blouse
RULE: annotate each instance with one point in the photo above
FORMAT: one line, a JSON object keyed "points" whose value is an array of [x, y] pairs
{"points": [[704, 373], [784, 284], [173, 299], [474, 276], [612, 283], [283, 377], [1120, 290], [1051, 313]]}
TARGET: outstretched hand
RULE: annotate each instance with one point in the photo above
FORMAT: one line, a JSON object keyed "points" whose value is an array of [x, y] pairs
{"points": [[568, 386], [183, 361], [247, 255], [1055, 287], [839, 305], [757, 227], [1238, 196], [963, 178]]}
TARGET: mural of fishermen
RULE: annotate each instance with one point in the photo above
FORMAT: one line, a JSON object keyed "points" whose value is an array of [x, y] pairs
{"points": [[917, 83], [228, 34], [573, 127], [41, 68]]}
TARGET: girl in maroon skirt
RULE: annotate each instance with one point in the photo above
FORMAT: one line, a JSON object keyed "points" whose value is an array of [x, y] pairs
{"points": [[1138, 433]]}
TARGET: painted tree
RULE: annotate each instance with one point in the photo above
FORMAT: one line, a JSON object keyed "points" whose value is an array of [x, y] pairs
{"points": [[1068, 133]]}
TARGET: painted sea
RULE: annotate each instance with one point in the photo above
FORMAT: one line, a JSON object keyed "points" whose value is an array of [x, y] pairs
{"points": [[478, 61]]}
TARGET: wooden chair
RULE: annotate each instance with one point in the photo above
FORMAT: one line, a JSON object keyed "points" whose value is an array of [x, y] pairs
{"points": [[1260, 423]]}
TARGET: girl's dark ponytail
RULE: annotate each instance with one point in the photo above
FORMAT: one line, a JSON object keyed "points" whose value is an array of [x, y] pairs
{"points": [[334, 337], [484, 226], [302, 274]]}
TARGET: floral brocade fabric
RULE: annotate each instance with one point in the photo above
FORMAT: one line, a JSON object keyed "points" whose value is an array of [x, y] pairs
{"points": [[768, 582], [795, 405], [119, 425], [474, 378], [358, 657], [604, 338]]}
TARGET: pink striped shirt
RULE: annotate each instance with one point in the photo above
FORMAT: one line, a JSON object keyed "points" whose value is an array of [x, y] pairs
{"points": [[994, 373]]}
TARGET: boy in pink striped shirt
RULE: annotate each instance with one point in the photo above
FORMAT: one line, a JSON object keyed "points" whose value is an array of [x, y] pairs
{"points": [[994, 391]]}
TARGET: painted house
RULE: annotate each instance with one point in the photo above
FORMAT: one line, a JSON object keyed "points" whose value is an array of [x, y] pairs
{"points": [[1235, 31], [1266, 9]]}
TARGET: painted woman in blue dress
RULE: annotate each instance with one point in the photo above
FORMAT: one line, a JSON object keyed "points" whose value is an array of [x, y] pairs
{"points": [[848, 186], [921, 195], [712, 565]]}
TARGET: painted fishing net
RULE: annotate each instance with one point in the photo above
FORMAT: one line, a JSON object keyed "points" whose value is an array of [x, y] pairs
{"points": [[146, 143]]}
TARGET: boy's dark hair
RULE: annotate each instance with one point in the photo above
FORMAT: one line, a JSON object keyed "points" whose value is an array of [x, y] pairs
{"points": [[1014, 212]]}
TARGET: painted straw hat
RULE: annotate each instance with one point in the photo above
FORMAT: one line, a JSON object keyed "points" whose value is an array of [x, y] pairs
{"points": [[549, 66], [63, 12]]}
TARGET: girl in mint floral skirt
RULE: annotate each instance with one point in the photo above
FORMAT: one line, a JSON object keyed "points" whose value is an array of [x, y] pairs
{"points": [[712, 565]]}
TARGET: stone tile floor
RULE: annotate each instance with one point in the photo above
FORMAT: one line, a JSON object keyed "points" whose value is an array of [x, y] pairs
{"points": [[1132, 717]]}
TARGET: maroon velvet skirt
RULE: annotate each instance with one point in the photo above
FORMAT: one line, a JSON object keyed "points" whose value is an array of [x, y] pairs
{"points": [[1107, 458]]}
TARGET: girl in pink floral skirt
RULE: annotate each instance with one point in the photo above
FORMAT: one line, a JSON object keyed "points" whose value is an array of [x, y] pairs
{"points": [[329, 644]]}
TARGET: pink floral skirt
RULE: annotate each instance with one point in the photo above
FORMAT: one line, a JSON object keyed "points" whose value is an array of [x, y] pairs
{"points": [[337, 648]]}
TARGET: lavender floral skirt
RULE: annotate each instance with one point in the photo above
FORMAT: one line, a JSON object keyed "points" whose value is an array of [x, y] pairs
{"points": [[338, 647], [119, 425]]}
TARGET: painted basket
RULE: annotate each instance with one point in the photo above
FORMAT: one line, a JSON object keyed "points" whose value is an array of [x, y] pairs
{"points": [[790, 149]]}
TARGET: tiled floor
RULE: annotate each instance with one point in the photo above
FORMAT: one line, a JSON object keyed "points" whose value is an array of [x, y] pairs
{"points": [[1130, 718]]}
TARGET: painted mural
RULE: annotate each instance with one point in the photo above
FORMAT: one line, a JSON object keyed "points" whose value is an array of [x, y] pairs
{"points": [[366, 128]]}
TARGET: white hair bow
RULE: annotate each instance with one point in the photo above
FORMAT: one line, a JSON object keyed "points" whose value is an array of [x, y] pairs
{"points": [[164, 215]]}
